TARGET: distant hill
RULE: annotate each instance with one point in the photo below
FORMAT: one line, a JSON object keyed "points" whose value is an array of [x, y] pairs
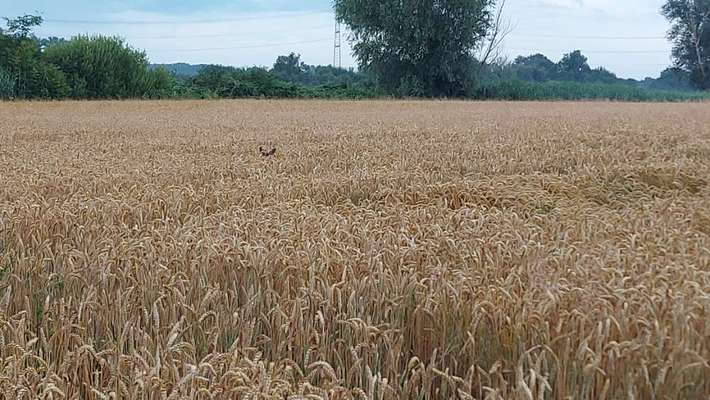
{"points": [[181, 69]]}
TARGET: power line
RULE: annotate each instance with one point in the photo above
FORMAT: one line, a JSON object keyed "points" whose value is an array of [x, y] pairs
{"points": [[222, 34], [337, 34], [590, 37], [202, 21], [249, 46], [595, 51]]}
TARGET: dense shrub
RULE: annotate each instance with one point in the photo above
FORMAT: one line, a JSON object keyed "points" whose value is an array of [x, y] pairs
{"points": [[106, 67], [159, 84], [48, 82], [26, 74], [229, 82]]}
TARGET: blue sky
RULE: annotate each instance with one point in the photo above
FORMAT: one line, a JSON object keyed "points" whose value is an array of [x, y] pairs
{"points": [[626, 36]]}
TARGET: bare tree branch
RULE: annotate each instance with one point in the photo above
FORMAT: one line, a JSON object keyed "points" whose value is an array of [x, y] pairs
{"points": [[500, 30]]}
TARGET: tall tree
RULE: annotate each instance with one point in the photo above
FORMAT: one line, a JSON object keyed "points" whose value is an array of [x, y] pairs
{"points": [[21, 27], [417, 47], [289, 68], [536, 67], [23, 71], [573, 66], [690, 33]]}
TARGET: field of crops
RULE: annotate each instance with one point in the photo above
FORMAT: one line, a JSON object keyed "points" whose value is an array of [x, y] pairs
{"points": [[388, 250]]}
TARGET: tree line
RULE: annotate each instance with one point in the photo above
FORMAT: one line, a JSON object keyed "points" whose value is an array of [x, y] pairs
{"points": [[102, 67], [525, 78], [403, 48], [574, 67], [83, 67]]}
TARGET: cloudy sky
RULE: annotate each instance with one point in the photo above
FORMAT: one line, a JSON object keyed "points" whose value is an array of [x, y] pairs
{"points": [[626, 36]]}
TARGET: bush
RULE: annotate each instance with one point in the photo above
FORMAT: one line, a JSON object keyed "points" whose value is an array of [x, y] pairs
{"points": [[49, 82], [213, 78], [238, 88], [26, 74], [106, 67], [229, 82], [159, 84]]}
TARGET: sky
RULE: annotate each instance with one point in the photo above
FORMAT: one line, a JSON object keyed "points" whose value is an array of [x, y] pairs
{"points": [[625, 36]]}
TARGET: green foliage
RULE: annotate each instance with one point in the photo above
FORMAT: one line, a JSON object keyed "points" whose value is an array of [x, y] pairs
{"points": [[44, 43], [21, 27], [186, 90], [83, 67], [555, 90], [257, 82], [214, 77], [573, 67], [423, 53], [7, 85], [670, 79], [690, 32], [105, 67], [289, 68], [159, 83], [230, 82], [417, 47], [180, 70], [343, 91], [48, 82], [329, 75], [22, 62], [25, 72], [535, 68]]}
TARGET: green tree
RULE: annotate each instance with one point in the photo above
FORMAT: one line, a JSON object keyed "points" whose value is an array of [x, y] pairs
{"points": [[573, 66], [536, 68], [673, 79], [21, 27], [213, 78], [159, 83], [690, 33], [600, 75], [26, 72], [421, 47], [289, 68]]}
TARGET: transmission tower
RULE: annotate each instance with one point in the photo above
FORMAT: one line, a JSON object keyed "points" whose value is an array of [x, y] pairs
{"points": [[337, 55]]}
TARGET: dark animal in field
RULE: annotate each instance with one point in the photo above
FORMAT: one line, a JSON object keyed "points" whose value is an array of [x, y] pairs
{"points": [[267, 153]]}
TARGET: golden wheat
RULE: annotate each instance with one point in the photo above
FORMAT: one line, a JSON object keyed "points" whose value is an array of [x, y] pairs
{"points": [[389, 250]]}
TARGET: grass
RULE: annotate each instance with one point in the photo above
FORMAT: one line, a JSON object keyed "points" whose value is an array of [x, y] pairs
{"points": [[390, 250]]}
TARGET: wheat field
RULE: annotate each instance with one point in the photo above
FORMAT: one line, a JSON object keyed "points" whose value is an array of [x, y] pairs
{"points": [[388, 250]]}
